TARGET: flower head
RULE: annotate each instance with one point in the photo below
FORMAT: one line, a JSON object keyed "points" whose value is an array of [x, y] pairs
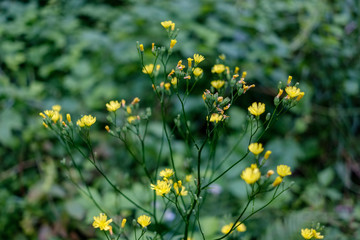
{"points": [[102, 223], [167, 24], [227, 228], [293, 91], [218, 68], [130, 119], [316, 234], [217, 84], [306, 233], [277, 181], [123, 222], [257, 109], [177, 186], [215, 117], [56, 108], [112, 106], [172, 43], [166, 173], [283, 170], [198, 58], [241, 227], [267, 154], [86, 120], [251, 174], [144, 220], [161, 188], [256, 148], [197, 72], [148, 69]]}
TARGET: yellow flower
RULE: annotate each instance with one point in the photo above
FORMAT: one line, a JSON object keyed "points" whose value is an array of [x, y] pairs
{"points": [[107, 128], [306, 233], [56, 116], [86, 120], [167, 24], [198, 58], [52, 114], [174, 81], [269, 173], [293, 91], [167, 86], [166, 173], [131, 119], [218, 68], [123, 222], [256, 148], [100, 222], [280, 93], [45, 125], [251, 174], [316, 234], [257, 109], [179, 185], [144, 220], [300, 96], [56, 108], [277, 181], [172, 43], [283, 170], [289, 80], [241, 227], [68, 117], [188, 178], [190, 62], [215, 117], [217, 84], [141, 47], [128, 110], [161, 188], [148, 69], [135, 101], [226, 229], [112, 106], [267, 154], [197, 72]]}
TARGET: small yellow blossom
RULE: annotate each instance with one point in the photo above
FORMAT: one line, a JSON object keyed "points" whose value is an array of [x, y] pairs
{"points": [[190, 62], [178, 186], [167, 24], [123, 222], [289, 80], [256, 148], [269, 173], [257, 109], [107, 128], [198, 58], [100, 222], [144, 221], [158, 67], [174, 81], [112, 106], [241, 227], [148, 69], [86, 120], [128, 110], [267, 154], [277, 181], [218, 68], [227, 228], [56, 108], [68, 117], [236, 70], [172, 43], [141, 47], [153, 47], [316, 234], [215, 117], [300, 96], [135, 101], [197, 72], [130, 119], [161, 188], [217, 84], [306, 233], [245, 87], [49, 113], [166, 173], [280, 93], [188, 178], [283, 170], [45, 125], [220, 99], [251, 174], [244, 74], [167, 86], [293, 91], [42, 115]]}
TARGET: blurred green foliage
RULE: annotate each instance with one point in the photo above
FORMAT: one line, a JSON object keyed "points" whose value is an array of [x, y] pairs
{"points": [[81, 54]]}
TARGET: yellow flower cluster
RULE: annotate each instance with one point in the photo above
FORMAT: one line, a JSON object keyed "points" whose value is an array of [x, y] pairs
{"points": [[311, 234], [251, 174], [227, 228], [163, 187]]}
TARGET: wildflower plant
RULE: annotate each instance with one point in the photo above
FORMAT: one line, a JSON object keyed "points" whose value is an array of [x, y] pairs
{"points": [[182, 189]]}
